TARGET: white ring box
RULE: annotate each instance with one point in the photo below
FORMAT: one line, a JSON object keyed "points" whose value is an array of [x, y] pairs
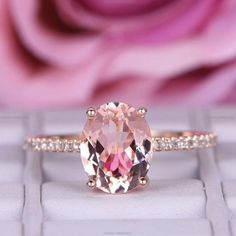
{"points": [[190, 193]]}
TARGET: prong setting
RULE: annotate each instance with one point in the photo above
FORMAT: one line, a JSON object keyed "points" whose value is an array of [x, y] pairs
{"points": [[91, 112], [142, 111], [91, 183], [143, 181]]}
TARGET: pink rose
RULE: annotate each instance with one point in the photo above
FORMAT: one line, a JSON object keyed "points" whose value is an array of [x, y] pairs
{"points": [[80, 52]]}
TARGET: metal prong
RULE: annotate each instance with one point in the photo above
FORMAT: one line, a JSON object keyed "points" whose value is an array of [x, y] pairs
{"points": [[91, 112], [91, 183], [143, 181], [142, 111]]}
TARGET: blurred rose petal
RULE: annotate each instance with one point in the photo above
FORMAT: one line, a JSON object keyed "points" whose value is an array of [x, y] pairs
{"points": [[69, 53], [162, 22], [48, 44]]}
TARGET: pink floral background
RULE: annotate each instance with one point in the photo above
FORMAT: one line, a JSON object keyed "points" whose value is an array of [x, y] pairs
{"points": [[68, 53]]}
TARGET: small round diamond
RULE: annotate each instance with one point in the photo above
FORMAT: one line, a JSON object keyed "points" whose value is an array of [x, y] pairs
{"points": [[76, 146], [116, 147], [158, 144], [51, 146]]}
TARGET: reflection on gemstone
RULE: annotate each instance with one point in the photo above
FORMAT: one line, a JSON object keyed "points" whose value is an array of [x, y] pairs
{"points": [[116, 147]]}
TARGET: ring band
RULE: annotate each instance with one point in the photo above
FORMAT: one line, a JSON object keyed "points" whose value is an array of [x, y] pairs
{"points": [[116, 146], [163, 141]]}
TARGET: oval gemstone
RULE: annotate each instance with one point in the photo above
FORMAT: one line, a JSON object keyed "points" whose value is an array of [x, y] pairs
{"points": [[116, 147]]}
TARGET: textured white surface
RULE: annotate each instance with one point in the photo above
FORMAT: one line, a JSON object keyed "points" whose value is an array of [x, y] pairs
{"points": [[226, 155], [11, 163], [223, 123], [11, 201], [12, 128], [229, 189], [233, 227], [176, 203], [161, 199], [137, 228], [11, 228]]}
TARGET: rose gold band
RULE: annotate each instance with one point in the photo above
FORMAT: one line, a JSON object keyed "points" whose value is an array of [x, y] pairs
{"points": [[163, 141]]}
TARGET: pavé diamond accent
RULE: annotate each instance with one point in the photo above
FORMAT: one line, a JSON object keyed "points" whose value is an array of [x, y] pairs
{"points": [[53, 144], [184, 142], [159, 143]]}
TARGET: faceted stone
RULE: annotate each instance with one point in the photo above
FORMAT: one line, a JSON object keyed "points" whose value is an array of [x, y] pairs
{"points": [[116, 147]]}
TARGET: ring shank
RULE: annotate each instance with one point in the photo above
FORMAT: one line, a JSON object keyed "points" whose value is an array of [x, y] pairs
{"points": [[53, 143], [162, 141], [177, 134], [183, 140]]}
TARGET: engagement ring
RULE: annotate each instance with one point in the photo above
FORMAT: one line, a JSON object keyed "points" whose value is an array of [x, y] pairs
{"points": [[116, 146]]}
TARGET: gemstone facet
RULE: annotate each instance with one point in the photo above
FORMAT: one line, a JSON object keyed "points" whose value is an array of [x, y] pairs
{"points": [[116, 147]]}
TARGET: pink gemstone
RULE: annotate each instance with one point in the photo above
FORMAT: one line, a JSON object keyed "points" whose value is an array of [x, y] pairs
{"points": [[116, 147]]}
